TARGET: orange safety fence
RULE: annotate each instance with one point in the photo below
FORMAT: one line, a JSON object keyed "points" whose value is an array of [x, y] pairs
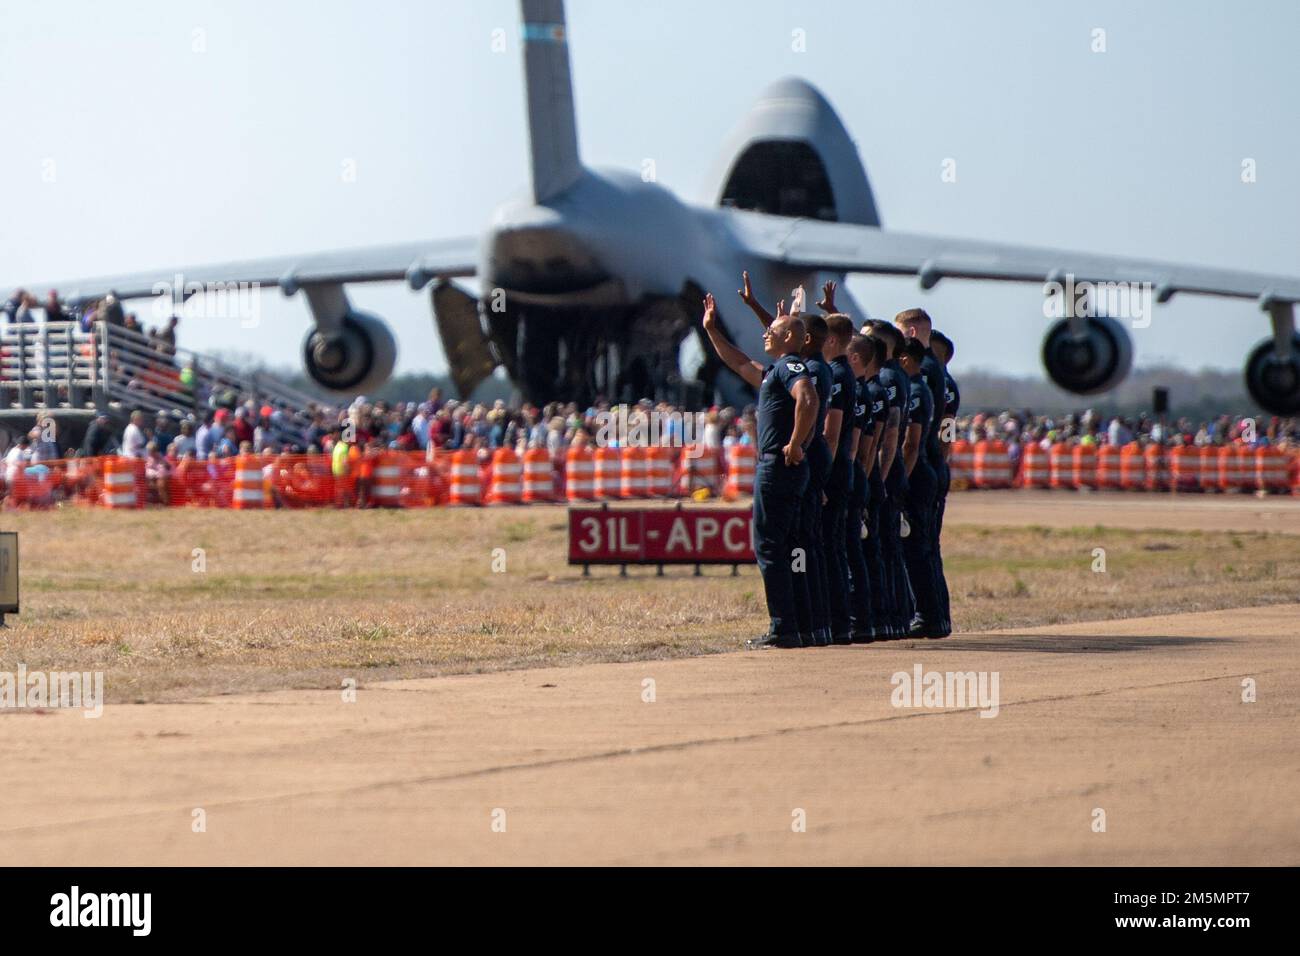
{"points": [[394, 479]]}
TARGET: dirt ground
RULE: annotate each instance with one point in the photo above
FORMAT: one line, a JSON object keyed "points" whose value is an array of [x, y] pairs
{"points": [[171, 604], [1142, 721], [1122, 741]]}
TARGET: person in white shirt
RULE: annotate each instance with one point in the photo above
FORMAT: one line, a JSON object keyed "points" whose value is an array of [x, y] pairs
{"points": [[16, 459], [134, 440]]}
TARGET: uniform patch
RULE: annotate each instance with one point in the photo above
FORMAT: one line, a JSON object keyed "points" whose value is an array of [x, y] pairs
{"points": [[796, 367]]}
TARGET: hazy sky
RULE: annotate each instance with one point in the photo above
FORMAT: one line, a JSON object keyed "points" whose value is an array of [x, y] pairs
{"points": [[181, 132]]}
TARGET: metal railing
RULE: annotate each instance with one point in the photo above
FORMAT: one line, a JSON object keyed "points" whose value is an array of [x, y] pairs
{"points": [[110, 368]]}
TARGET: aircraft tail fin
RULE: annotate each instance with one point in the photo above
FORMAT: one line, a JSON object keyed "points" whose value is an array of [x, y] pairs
{"points": [[552, 128]]}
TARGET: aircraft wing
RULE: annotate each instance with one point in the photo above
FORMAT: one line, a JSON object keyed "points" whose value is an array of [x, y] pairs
{"points": [[418, 263], [846, 247]]}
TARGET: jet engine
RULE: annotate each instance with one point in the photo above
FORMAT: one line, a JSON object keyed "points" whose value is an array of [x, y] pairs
{"points": [[1273, 376], [355, 357], [1093, 357]]}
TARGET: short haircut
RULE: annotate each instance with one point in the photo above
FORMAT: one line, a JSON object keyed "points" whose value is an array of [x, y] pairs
{"points": [[868, 348], [892, 338], [816, 328], [840, 326], [797, 326], [909, 316], [914, 350], [945, 343]]}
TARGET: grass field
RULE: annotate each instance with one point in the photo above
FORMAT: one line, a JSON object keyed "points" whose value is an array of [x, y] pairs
{"points": [[303, 599]]}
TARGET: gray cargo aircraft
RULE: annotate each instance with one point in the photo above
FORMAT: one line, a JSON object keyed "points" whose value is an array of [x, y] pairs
{"points": [[592, 280]]}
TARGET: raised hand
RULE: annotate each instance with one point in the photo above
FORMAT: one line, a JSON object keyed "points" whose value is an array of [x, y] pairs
{"points": [[746, 294], [827, 304], [780, 309], [710, 311]]}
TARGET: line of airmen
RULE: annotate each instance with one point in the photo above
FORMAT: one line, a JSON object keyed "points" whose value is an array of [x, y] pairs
{"points": [[853, 434]]}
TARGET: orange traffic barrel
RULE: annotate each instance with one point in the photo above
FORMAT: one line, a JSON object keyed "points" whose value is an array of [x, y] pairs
{"points": [[1034, 467], [1184, 468], [539, 476], [608, 463], [505, 487], [634, 473], [1108, 468], [1271, 469], [961, 461], [699, 470], [1061, 465], [1132, 468], [386, 491], [741, 463], [248, 492], [119, 483], [660, 466], [992, 465], [465, 487], [579, 474], [1084, 466]]}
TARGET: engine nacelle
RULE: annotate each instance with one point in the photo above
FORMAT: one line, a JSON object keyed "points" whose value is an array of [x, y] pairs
{"points": [[1274, 383], [1093, 362], [358, 358]]}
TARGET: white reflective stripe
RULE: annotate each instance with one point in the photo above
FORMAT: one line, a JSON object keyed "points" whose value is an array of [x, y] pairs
{"points": [[386, 491], [248, 494], [121, 498], [119, 478], [464, 471], [388, 471], [249, 476]]}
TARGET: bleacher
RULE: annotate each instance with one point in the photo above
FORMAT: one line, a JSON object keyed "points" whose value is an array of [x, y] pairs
{"points": [[57, 368]]}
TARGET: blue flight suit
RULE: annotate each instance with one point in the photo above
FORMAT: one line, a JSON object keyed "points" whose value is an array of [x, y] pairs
{"points": [[812, 593], [898, 607], [872, 551], [951, 405], [932, 371], [922, 487], [859, 577], [778, 493], [839, 486]]}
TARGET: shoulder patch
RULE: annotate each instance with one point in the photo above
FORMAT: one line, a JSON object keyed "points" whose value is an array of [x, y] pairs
{"points": [[796, 367]]}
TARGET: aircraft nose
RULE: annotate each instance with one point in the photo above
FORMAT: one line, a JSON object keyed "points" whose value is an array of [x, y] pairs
{"points": [[541, 257]]}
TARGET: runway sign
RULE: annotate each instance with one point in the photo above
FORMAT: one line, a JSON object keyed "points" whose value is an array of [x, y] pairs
{"points": [[660, 536], [8, 573]]}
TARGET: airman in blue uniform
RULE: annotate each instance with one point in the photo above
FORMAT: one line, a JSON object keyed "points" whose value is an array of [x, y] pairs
{"points": [[897, 607], [787, 410], [865, 356], [811, 587], [943, 349], [842, 431], [916, 324], [922, 486]]}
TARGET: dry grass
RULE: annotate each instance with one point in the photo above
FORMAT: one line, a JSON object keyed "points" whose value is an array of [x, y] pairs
{"points": [[304, 599]]}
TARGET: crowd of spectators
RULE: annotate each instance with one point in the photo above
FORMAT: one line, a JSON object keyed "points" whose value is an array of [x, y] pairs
{"points": [[230, 427]]}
